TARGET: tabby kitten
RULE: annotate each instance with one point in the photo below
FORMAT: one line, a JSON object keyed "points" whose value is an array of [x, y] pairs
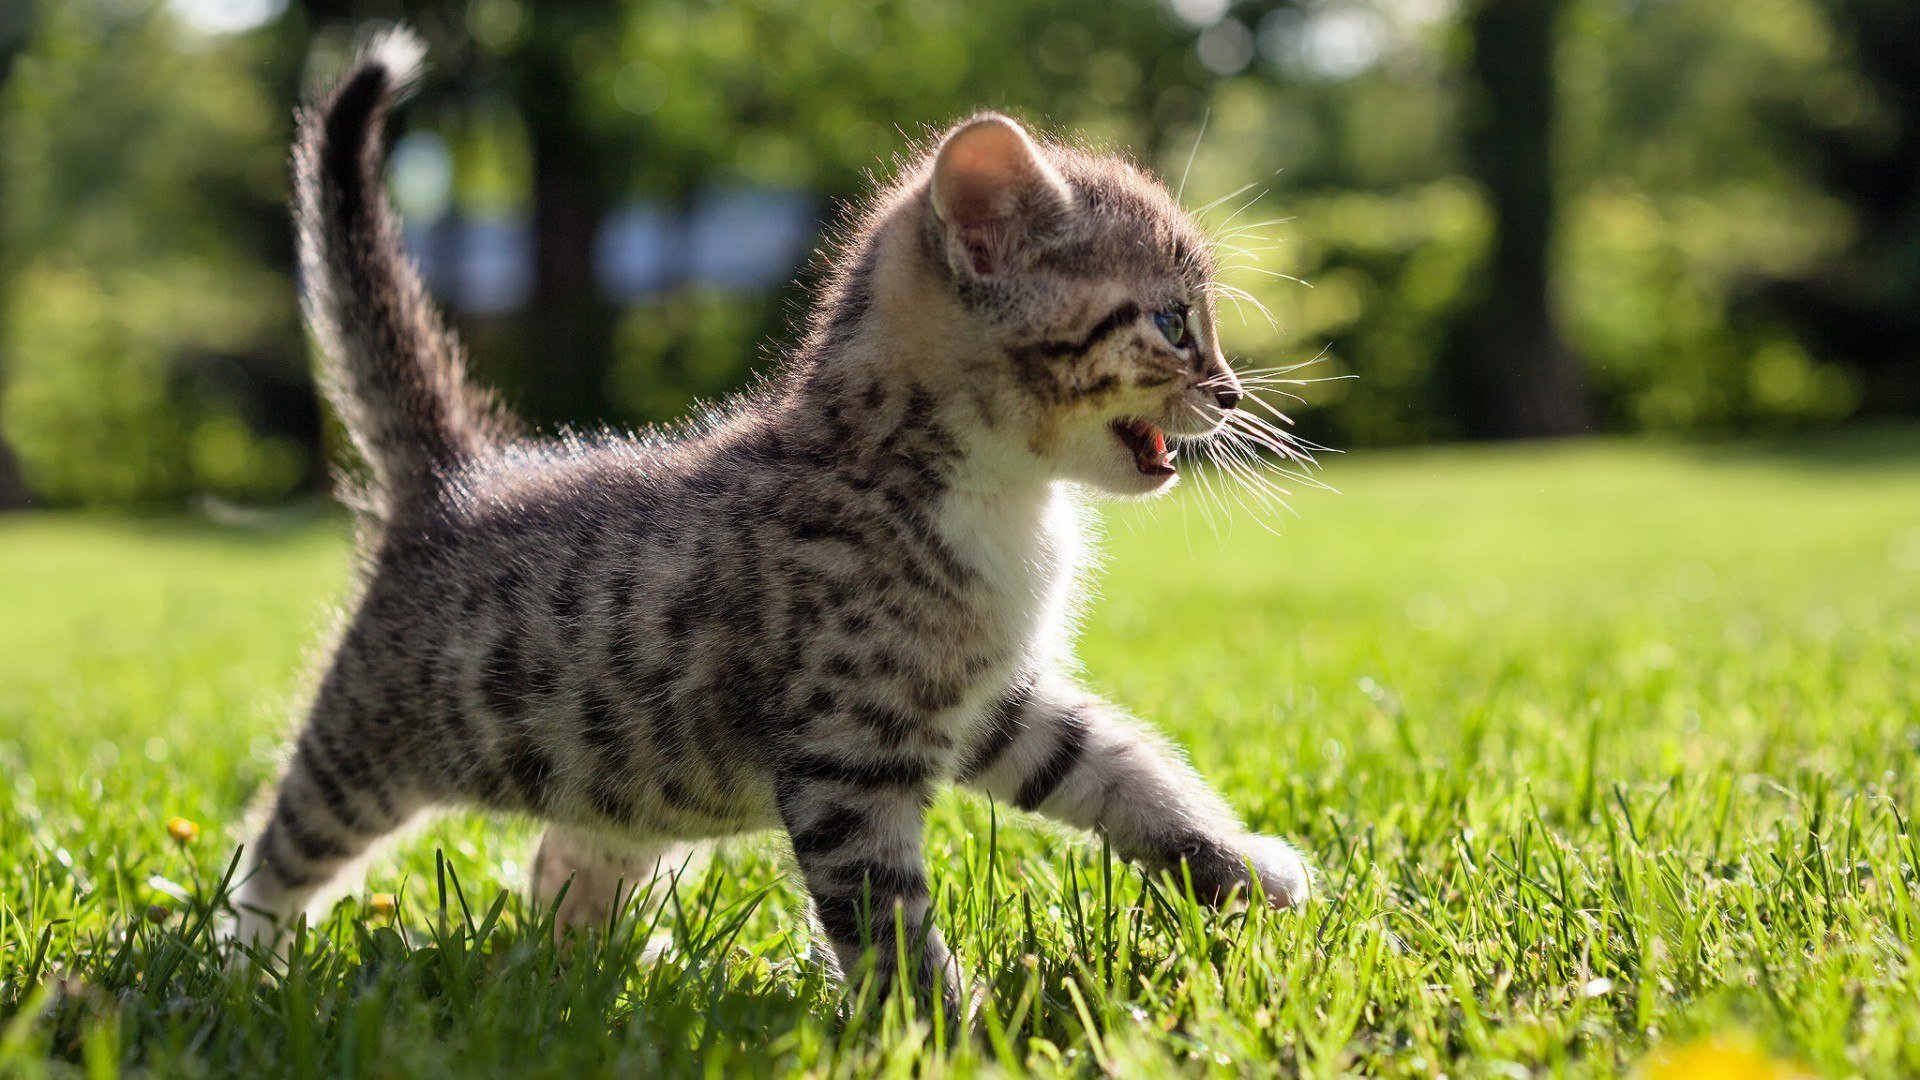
{"points": [[806, 611]]}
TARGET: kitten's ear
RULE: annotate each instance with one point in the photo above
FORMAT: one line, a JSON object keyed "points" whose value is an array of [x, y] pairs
{"points": [[993, 190]]}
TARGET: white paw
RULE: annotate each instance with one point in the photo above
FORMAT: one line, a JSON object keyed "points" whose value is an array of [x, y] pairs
{"points": [[253, 922], [1282, 875], [249, 934], [249, 927]]}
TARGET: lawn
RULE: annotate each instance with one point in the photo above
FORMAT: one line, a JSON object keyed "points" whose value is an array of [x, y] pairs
{"points": [[1606, 753]]}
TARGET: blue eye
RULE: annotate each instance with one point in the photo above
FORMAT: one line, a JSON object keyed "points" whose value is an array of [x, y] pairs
{"points": [[1173, 326]]}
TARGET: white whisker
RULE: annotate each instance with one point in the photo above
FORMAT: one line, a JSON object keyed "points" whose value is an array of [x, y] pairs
{"points": [[1234, 194], [1237, 295], [1179, 193], [1278, 274], [1252, 225], [1244, 207]]}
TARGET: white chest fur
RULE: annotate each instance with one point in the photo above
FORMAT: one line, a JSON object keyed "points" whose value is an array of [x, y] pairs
{"points": [[1027, 548]]}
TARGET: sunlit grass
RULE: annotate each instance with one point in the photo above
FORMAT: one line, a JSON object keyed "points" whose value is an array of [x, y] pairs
{"points": [[1606, 753]]}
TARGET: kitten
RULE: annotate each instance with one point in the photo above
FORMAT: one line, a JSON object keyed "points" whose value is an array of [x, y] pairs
{"points": [[809, 610]]}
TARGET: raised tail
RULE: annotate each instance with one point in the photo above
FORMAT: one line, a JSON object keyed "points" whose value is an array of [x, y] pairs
{"points": [[392, 369]]}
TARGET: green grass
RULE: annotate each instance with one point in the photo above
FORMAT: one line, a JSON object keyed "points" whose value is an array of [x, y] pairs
{"points": [[1601, 748]]}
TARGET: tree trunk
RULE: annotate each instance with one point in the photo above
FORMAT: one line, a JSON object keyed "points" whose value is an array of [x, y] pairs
{"points": [[1514, 373], [16, 22], [569, 324]]}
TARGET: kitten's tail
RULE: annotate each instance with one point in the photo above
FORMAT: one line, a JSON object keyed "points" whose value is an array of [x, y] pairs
{"points": [[392, 369]]}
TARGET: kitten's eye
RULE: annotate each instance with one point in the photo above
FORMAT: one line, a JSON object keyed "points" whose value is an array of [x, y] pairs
{"points": [[1173, 326]]}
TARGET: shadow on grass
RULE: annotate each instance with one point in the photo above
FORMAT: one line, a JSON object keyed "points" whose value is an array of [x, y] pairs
{"points": [[1865, 447], [464, 991], [446, 987]]}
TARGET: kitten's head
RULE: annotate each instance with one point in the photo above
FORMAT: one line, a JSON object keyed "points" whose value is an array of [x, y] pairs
{"points": [[1070, 301]]}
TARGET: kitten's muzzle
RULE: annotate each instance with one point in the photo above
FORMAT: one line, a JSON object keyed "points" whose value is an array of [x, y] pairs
{"points": [[1221, 383]]}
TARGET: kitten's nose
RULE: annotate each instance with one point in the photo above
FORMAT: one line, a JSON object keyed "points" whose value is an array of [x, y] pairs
{"points": [[1228, 398]]}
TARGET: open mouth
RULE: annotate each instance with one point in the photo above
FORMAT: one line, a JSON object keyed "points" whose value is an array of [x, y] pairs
{"points": [[1148, 444]]}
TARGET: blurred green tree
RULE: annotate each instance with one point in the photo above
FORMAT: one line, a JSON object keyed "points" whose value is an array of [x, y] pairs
{"points": [[1860, 141], [1702, 210], [1514, 374], [144, 309], [1686, 192]]}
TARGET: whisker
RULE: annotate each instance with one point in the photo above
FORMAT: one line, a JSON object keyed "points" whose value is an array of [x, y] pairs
{"points": [[1206, 117], [1268, 496], [1280, 442], [1266, 244], [1220, 494], [1234, 194], [1206, 494], [1278, 274], [1284, 453], [1254, 391], [1214, 501], [1252, 225], [1244, 207], [1269, 380], [1281, 417], [1237, 294], [1324, 352]]}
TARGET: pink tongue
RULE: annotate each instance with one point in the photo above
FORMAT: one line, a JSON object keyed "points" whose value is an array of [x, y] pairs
{"points": [[1153, 451]]}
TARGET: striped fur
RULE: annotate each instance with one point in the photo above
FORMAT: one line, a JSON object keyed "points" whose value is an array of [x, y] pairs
{"points": [[390, 367], [808, 611]]}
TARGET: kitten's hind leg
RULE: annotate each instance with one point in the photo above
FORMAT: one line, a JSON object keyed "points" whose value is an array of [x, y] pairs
{"points": [[331, 807], [601, 872]]}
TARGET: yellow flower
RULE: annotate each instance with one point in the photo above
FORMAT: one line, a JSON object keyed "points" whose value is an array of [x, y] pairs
{"points": [[182, 830], [1717, 1057], [383, 903]]}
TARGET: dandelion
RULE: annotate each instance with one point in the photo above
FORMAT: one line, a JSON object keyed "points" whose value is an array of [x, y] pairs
{"points": [[183, 831], [1718, 1057], [383, 903]]}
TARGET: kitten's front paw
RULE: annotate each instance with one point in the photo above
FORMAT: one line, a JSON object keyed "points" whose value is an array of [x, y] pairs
{"points": [[1232, 869], [1282, 875], [248, 931]]}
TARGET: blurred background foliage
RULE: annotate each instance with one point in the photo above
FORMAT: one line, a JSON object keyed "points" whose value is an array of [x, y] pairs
{"points": [[1506, 217]]}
